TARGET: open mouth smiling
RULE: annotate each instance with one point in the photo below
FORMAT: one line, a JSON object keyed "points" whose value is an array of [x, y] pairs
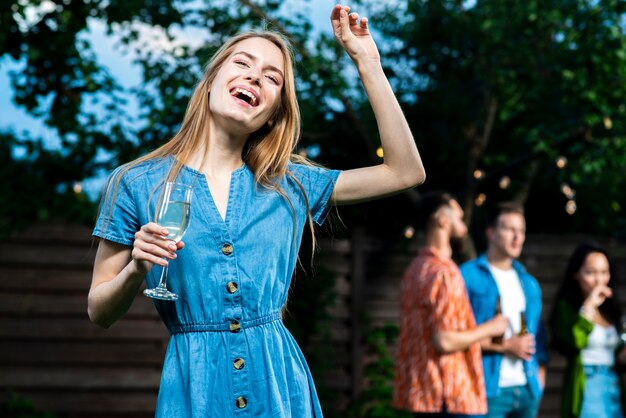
{"points": [[247, 96]]}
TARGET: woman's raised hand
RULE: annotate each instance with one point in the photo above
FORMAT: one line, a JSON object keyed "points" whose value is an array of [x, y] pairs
{"points": [[353, 34]]}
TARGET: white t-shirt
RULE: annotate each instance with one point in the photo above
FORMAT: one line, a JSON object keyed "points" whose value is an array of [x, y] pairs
{"points": [[601, 344], [512, 302]]}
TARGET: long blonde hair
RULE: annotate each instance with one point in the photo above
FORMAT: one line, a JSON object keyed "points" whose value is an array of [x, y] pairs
{"points": [[267, 151]]}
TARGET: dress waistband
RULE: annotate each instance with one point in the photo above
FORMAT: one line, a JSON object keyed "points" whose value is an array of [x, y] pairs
{"points": [[225, 326], [597, 368]]}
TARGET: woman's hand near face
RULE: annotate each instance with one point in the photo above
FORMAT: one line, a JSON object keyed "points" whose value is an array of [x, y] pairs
{"points": [[352, 33], [597, 296]]}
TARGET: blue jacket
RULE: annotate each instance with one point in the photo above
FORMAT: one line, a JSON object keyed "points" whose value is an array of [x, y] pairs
{"points": [[483, 294]]}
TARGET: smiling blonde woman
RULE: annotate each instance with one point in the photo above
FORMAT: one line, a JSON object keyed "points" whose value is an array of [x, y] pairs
{"points": [[229, 352]]}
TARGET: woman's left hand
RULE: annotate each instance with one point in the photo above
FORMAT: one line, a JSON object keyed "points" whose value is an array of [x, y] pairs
{"points": [[353, 34]]}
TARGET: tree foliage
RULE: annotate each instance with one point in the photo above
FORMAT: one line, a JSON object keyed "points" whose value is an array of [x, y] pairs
{"points": [[507, 88], [504, 88]]}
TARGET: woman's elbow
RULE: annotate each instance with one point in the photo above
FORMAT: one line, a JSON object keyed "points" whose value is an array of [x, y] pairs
{"points": [[420, 177], [413, 178], [96, 315]]}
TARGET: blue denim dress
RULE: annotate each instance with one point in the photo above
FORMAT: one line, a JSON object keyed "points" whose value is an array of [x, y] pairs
{"points": [[229, 353]]}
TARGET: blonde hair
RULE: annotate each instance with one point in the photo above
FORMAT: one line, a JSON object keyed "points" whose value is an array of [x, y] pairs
{"points": [[267, 151]]}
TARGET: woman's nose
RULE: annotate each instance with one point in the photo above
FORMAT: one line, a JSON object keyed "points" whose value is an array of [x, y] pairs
{"points": [[254, 78]]}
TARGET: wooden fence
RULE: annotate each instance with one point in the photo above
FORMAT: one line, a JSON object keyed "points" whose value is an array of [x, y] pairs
{"points": [[51, 354]]}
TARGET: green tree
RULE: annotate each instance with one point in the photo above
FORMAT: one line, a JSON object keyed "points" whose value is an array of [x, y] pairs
{"points": [[507, 88]]}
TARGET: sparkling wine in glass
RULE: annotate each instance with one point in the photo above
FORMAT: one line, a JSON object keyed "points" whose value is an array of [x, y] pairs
{"points": [[173, 215]]}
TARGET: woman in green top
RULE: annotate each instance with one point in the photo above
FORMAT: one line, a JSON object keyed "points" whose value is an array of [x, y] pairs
{"points": [[585, 329]]}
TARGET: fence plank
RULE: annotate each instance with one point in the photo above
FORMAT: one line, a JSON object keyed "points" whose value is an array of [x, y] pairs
{"points": [[52, 353]]}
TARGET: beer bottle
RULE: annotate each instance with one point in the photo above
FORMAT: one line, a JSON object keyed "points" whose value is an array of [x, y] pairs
{"points": [[497, 339], [523, 329]]}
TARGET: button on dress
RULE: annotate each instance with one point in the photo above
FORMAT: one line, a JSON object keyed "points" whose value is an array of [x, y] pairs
{"points": [[229, 354]]}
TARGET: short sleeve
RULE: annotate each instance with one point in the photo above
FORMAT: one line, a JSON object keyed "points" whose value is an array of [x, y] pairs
{"points": [[442, 299], [318, 184], [118, 217]]}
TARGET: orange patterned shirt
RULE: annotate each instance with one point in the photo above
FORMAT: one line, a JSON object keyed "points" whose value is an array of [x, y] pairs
{"points": [[434, 298]]}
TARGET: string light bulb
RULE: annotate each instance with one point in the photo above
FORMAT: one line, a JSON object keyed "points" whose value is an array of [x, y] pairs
{"points": [[505, 182], [568, 191], [380, 152], [570, 207], [480, 199], [561, 162], [409, 232], [478, 174], [608, 123], [78, 187]]}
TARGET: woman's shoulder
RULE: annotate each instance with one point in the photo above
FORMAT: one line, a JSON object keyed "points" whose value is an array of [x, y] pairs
{"points": [[307, 171], [134, 171]]}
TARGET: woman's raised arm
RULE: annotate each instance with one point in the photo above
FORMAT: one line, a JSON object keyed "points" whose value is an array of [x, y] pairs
{"points": [[402, 166]]}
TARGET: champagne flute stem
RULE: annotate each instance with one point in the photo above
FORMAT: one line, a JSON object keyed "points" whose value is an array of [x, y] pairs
{"points": [[163, 278]]}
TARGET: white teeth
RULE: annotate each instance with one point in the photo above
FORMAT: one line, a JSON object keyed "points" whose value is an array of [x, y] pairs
{"points": [[238, 90]]}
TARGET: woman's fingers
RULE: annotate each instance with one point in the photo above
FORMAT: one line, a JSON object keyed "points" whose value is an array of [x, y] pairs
{"points": [[153, 228], [142, 257], [151, 246], [353, 19], [364, 22], [155, 249]]}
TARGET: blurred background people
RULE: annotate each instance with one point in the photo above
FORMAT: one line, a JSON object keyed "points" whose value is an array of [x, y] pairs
{"points": [[438, 369], [585, 326], [496, 283]]}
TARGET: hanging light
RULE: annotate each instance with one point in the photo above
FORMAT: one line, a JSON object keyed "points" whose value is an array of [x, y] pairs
{"points": [[409, 232], [568, 191], [478, 174], [480, 199], [77, 187], [505, 182], [570, 207], [380, 152], [561, 162]]}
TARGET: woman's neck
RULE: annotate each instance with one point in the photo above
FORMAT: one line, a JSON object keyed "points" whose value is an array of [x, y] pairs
{"points": [[219, 155]]}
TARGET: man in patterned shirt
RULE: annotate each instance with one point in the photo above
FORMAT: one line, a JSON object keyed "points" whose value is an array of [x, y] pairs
{"points": [[438, 369]]}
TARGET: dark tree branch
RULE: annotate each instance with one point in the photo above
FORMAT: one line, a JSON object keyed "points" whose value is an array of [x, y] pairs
{"points": [[478, 145]]}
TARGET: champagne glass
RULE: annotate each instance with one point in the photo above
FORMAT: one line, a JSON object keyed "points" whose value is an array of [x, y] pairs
{"points": [[173, 215]]}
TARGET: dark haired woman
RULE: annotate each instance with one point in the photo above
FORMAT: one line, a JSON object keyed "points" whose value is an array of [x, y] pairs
{"points": [[585, 329]]}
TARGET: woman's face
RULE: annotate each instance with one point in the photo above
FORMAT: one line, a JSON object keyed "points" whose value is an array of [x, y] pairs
{"points": [[593, 272], [247, 88]]}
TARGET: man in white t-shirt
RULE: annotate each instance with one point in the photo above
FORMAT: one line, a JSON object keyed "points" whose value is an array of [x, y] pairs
{"points": [[497, 282]]}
